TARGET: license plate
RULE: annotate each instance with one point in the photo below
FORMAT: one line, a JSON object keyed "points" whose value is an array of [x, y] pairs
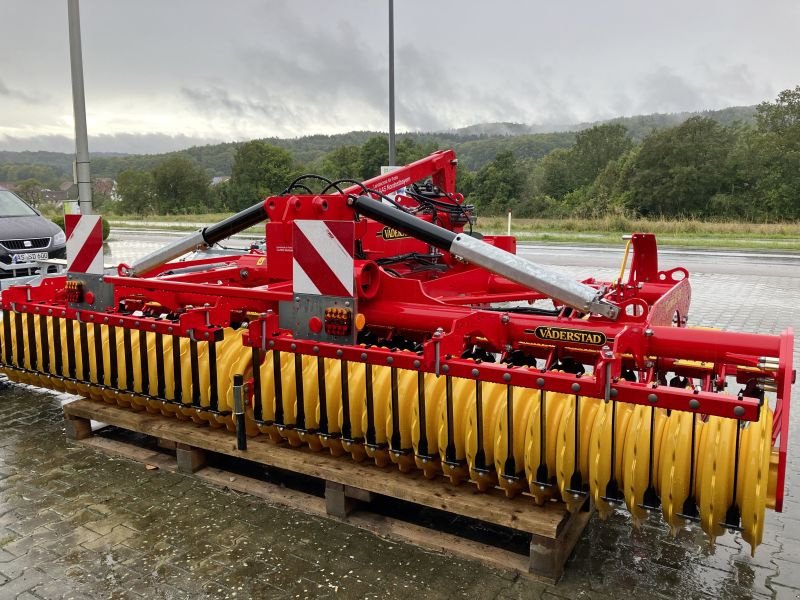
{"points": [[28, 257]]}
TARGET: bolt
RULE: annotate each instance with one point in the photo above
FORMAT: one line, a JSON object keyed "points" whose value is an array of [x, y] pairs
{"points": [[272, 343], [316, 349], [446, 369], [506, 376], [363, 356], [293, 347], [417, 364], [576, 387], [540, 382], [648, 332], [339, 353], [738, 411], [652, 398], [694, 403], [389, 360], [475, 372], [614, 392], [505, 319], [347, 303]]}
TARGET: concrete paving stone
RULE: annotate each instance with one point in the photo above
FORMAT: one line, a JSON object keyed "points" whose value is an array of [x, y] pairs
{"points": [[26, 581], [786, 593], [788, 574], [27, 526]]}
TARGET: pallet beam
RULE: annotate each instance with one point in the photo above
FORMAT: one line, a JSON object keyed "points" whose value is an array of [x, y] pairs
{"points": [[348, 487]]}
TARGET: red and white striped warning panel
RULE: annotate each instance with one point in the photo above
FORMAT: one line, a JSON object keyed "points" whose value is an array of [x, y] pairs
{"points": [[323, 257], [84, 243]]}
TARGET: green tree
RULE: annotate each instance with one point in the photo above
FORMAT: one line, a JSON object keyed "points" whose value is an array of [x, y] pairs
{"points": [[136, 192], [259, 170], [678, 171], [774, 177], [180, 187], [374, 154], [594, 148], [343, 162], [498, 186]]}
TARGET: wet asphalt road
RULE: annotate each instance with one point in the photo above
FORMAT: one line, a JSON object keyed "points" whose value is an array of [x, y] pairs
{"points": [[78, 524]]}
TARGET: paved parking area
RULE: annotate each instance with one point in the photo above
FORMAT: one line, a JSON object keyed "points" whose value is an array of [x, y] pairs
{"points": [[77, 524]]}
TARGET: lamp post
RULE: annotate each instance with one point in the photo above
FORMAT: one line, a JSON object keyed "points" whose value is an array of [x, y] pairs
{"points": [[391, 84], [83, 176]]}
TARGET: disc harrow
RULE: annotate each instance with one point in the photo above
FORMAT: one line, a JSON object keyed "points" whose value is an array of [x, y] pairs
{"points": [[376, 323]]}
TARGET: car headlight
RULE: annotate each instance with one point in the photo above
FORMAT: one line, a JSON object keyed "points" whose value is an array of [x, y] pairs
{"points": [[59, 238]]}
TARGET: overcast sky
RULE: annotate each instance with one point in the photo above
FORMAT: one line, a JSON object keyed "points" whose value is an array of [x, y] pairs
{"points": [[166, 74]]}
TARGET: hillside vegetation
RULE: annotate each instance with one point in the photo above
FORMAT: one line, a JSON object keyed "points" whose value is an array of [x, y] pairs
{"points": [[738, 164]]}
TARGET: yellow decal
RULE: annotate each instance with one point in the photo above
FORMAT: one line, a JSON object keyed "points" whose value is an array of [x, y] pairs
{"points": [[577, 336], [261, 261], [390, 233]]}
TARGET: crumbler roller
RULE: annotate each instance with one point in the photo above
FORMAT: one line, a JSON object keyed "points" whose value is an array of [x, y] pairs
{"points": [[376, 323]]}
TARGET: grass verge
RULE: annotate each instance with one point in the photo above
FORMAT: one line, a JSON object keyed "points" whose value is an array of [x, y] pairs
{"points": [[688, 233]]}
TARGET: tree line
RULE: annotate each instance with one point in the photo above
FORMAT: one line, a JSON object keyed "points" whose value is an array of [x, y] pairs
{"points": [[709, 166], [699, 168]]}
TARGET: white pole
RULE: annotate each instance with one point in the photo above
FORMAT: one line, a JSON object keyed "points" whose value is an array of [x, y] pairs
{"points": [[82, 175], [509, 221]]}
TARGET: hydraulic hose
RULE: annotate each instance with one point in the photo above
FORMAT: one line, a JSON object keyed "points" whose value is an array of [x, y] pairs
{"points": [[208, 236], [580, 296]]}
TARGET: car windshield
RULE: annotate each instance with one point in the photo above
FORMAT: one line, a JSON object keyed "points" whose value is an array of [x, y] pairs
{"points": [[12, 206]]}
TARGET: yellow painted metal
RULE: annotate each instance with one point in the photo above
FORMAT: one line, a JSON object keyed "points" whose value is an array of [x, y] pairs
{"points": [[553, 409], [519, 406], [572, 457], [670, 443], [600, 452]]}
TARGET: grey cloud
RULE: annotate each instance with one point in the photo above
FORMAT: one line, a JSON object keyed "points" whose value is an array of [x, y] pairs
{"points": [[15, 94]]}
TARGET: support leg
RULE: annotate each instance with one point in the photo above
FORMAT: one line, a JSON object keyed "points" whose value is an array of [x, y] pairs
{"points": [[190, 459], [77, 428], [337, 504]]}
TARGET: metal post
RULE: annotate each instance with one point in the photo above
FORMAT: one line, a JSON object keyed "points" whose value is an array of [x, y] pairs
{"points": [[83, 176], [238, 412], [391, 84]]}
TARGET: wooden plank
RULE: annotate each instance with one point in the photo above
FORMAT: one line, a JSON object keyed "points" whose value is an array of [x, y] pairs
{"points": [[380, 525], [493, 507]]}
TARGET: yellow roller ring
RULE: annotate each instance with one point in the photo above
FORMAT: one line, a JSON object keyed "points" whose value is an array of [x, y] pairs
{"points": [[493, 399], [462, 389], [566, 459], [406, 397], [600, 452], [675, 466], [522, 406], [637, 469], [434, 394], [753, 481], [714, 484], [381, 398], [333, 403], [310, 403]]}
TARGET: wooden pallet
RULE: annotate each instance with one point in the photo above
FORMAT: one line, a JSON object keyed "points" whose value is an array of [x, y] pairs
{"points": [[348, 485]]}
